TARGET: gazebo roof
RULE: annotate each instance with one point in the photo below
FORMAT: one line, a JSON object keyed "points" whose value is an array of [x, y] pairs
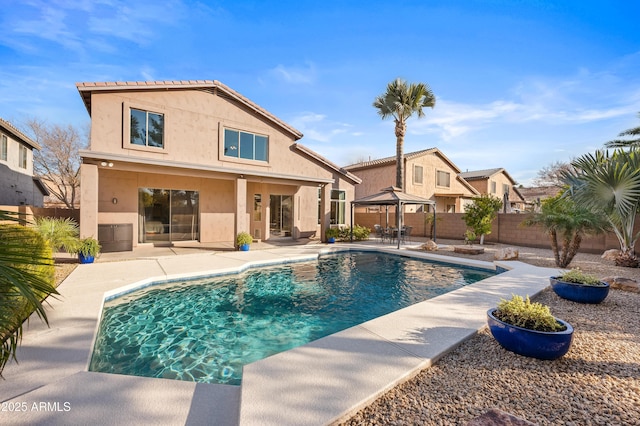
{"points": [[392, 196]]}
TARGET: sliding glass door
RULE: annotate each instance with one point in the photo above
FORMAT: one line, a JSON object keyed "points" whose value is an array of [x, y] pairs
{"points": [[168, 215], [281, 207]]}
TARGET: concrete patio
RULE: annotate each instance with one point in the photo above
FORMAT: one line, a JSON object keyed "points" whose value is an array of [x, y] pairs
{"points": [[315, 384]]}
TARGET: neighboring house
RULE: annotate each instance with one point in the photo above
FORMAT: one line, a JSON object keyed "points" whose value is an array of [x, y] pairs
{"points": [[18, 186], [196, 161], [534, 196], [428, 174], [496, 182]]}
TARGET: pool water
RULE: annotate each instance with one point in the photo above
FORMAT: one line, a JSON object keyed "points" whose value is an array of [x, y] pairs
{"points": [[205, 330]]}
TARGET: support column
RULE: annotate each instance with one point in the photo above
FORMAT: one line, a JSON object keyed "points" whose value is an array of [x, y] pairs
{"points": [[242, 217], [89, 200], [325, 209]]}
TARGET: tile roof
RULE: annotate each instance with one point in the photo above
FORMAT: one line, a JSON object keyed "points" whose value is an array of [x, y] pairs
{"points": [[388, 160], [213, 86], [480, 174], [10, 128]]}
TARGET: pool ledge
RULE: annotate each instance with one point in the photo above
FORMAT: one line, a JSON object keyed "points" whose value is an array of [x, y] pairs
{"points": [[319, 383]]}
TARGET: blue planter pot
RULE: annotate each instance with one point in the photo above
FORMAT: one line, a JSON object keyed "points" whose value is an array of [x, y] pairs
{"points": [[580, 293], [331, 240], [85, 259], [531, 343], [244, 247]]}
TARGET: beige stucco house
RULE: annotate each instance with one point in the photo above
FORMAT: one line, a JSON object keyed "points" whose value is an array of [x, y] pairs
{"points": [[177, 161], [496, 182], [428, 174], [18, 185]]}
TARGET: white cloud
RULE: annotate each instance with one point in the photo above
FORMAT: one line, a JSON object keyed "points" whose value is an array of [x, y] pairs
{"points": [[317, 127], [295, 75]]}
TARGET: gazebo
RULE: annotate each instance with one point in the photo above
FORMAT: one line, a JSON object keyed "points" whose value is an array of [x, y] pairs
{"points": [[394, 196]]}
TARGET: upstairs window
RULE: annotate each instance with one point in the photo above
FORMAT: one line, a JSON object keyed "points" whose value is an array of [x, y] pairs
{"points": [[147, 128], [22, 157], [248, 146], [493, 186], [3, 147], [417, 175], [443, 179], [505, 188]]}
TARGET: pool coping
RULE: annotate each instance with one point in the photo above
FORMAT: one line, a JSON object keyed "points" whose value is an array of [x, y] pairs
{"points": [[319, 383]]}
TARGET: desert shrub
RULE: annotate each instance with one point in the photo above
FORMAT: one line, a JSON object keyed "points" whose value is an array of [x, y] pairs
{"points": [[578, 276], [526, 314], [59, 233], [360, 233]]}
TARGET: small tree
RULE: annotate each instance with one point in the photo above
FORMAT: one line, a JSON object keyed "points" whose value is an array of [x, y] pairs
{"points": [[57, 163], [566, 223], [481, 213]]}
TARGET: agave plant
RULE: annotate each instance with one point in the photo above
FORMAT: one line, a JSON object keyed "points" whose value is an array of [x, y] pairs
{"points": [[609, 184]]}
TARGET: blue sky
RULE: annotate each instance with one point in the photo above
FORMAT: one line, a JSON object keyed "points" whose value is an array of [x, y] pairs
{"points": [[519, 84]]}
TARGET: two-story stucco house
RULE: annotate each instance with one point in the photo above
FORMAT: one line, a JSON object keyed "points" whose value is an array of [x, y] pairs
{"points": [[174, 161], [18, 186], [496, 182], [428, 174]]}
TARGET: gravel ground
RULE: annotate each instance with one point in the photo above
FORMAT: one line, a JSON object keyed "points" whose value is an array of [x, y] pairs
{"points": [[596, 383]]}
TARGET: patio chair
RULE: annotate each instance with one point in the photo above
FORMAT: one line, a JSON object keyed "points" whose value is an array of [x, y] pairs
{"points": [[406, 234], [379, 232]]}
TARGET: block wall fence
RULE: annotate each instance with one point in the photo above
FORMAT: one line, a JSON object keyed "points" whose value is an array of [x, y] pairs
{"points": [[506, 229]]}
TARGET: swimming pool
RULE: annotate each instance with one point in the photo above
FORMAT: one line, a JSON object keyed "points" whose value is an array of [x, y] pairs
{"points": [[206, 330]]}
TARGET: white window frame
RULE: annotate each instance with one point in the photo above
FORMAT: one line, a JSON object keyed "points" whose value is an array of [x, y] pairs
{"points": [[443, 173], [492, 186], [4, 147], [338, 207], [418, 174], [23, 155]]}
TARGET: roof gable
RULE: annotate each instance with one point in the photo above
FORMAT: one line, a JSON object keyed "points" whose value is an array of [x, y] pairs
{"points": [[386, 161], [211, 86], [485, 174], [16, 134]]}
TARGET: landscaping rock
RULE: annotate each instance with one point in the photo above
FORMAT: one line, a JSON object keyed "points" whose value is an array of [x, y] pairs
{"points": [[611, 254], [507, 253], [622, 283], [495, 417], [430, 245], [468, 249]]}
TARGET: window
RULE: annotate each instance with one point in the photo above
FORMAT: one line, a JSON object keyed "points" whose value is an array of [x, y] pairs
{"points": [[443, 179], [505, 188], [493, 186], [3, 147], [417, 174], [22, 159], [338, 205], [245, 145], [147, 128], [319, 205], [257, 207]]}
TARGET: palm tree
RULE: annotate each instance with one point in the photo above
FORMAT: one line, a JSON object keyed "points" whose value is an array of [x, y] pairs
{"points": [[400, 101], [625, 143], [609, 184], [566, 223]]}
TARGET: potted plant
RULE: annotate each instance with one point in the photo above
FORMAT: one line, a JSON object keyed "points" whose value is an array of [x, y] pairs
{"points": [[529, 329], [86, 248], [580, 287], [332, 234], [243, 239]]}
